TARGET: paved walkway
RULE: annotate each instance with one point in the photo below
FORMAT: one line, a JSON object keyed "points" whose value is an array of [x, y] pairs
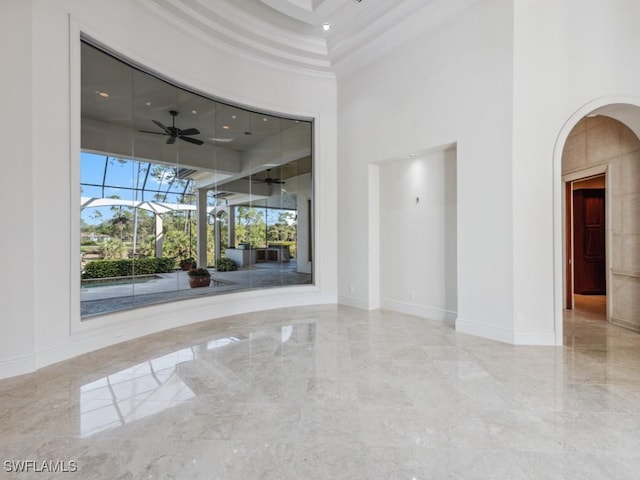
{"points": [[167, 287]]}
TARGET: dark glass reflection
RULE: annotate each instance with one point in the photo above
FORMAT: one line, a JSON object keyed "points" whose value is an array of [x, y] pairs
{"points": [[172, 181]]}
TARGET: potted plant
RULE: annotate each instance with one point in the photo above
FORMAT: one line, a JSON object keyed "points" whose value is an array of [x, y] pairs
{"points": [[199, 277], [187, 263]]}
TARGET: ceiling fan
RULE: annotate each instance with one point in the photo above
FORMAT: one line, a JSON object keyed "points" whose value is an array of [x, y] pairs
{"points": [[174, 132], [268, 180]]}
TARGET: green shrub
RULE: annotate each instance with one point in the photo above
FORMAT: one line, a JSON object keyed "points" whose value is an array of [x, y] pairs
{"points": [[128, 266], [144, 266], [165, 264], [226, 265], [101, 269]]}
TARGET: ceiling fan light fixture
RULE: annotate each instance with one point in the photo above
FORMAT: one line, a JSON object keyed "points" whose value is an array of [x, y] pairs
{"points": [[174, 133]]}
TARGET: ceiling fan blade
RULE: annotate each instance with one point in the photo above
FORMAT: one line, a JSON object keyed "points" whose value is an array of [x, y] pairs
{"points": [[171, 140], [195, 141], [190, 131], [166, 130], [155, 133]]}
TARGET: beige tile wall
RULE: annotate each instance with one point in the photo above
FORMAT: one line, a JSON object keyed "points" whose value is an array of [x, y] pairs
{"points": [[598, 141]]}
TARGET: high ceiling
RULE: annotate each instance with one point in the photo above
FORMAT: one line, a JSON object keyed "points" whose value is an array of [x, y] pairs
{"points": [[290, 32]]}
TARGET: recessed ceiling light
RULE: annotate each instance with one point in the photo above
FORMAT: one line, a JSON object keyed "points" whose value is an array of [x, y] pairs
{"points": [[194, 111], [148, 104], [222, 140], [226, 127], [265, 119], [234, 117], [326, 26], [102, 94]]}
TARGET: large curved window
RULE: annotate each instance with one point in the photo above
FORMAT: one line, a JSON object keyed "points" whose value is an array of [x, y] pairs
{"points": [[182, 195]]}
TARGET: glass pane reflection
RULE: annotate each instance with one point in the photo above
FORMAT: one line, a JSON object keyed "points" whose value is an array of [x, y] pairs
{"points": [[134, 393], [171, 180]]}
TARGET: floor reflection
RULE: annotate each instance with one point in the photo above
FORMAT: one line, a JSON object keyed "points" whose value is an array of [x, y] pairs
{"points": [[134, 393], [162, 383]]}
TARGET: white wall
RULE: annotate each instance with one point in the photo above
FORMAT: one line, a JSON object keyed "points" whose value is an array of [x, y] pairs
{"points": [[451, 84], [17, 280], [418, 235], [42, 154], [570, 57]]}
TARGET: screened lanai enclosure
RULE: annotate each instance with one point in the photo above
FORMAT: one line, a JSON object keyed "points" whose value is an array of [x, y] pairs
{"points": [[172, 181]]}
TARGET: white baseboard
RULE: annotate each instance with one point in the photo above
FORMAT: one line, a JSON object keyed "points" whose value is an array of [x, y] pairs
{"points": [[353, 302], [431, 313], [533, 338], [485, 331], [505, 335], [17, 366]]}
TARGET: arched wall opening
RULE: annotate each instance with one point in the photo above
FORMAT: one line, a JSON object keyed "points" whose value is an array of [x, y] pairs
{"points": [[601, 139]]}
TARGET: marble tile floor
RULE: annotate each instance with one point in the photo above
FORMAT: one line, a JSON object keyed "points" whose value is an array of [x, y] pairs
{"points": [[332, 392]]}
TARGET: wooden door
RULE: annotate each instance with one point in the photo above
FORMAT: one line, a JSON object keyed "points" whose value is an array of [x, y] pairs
{"points": [[589, 242]]}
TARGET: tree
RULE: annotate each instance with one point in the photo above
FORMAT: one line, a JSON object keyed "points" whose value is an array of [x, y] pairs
{"points": [[284, 230], [250, 226], [112, 249]]}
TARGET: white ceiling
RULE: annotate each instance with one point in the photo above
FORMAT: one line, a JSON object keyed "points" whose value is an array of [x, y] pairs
{"points": [[313, 12], [289, 32]]}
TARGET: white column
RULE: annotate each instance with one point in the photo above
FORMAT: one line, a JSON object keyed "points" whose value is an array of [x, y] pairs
{"points": [[159, 234], [201, 222], [217, 236]]}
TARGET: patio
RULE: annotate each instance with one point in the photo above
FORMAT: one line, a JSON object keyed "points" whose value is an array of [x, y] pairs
{"points": [[167, 287]]}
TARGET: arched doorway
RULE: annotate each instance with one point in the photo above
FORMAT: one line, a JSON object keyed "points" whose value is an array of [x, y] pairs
{"points": [[598, 158]]}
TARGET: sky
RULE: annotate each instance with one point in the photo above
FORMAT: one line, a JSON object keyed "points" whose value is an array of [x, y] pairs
{"points": [[127, 174]]}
